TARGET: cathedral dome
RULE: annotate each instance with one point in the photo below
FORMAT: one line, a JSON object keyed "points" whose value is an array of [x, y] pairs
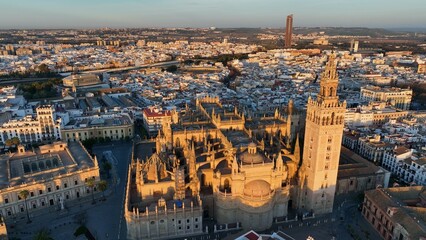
{"points": [[252, 145], [257, 188], [249, 158], [251, 155]]}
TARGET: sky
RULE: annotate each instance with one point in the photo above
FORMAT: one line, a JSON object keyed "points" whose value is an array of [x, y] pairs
{"points": [[209, 13]]}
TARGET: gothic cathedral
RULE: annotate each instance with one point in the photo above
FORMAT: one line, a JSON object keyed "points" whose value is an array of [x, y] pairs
{"points": [[237, 167]]}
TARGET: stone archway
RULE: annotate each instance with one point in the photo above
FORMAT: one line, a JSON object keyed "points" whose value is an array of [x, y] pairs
{"points": [[177, 142], [203, 180], [226, 185], [221, 163]]}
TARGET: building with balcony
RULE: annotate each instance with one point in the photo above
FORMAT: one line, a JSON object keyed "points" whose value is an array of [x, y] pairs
{"points": [[44, 127], [406, 165], [153, 119], [108, 126], [373, 148]]}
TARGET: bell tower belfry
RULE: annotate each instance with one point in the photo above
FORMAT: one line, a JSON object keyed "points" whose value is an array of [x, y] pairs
{"points": [[322, 144], [329, 83]]}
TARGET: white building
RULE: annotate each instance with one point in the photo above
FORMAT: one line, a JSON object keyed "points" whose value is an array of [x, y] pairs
{"points": [[44, 127], [397, 97], [153, 119], [406, 165], [358, 117]]}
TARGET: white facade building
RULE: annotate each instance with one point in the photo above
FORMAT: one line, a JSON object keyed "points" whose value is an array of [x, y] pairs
{"points": [[44, 127], [397, 97], [407, 166]]}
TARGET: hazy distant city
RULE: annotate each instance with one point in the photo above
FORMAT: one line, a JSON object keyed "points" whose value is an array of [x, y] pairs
{"points": [[114, 130]]}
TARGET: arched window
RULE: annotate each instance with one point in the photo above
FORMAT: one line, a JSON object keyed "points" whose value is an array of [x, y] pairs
{"points": [[27, 168], [55, 162], [331, 91], [226, 184], [177, 142], [34, 167], [41, 165], [203, 180]]}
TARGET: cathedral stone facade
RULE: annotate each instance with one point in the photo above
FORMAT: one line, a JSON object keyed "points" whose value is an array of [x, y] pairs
{"points": [[253, 192], [235, 166]]}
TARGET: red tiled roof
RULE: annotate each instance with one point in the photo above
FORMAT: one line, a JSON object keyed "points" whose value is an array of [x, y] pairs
{"points": [[252, 236], [150, 113]]}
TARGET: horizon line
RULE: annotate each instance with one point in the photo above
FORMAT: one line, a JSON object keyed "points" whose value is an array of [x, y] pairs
{"points": [[215, 28]]}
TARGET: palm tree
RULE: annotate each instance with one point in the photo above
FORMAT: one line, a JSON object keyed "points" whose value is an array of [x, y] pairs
{"points": [[91, 184], [43, 234], [24, 194], [103, 185]]}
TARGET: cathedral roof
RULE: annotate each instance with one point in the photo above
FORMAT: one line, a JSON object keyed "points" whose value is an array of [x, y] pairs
{"points": [[252, 145], [252, 156], [155, 168], [255, 158], [257, 188]]}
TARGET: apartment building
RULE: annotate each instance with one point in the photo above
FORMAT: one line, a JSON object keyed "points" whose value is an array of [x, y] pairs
{"points": [[407, 165], [397, 97]]}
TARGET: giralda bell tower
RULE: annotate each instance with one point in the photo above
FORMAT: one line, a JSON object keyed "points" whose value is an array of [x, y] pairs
{"points": [[322, 143]]}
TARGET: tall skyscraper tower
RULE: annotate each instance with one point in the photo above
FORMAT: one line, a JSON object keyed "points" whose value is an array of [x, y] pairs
{"points": [[288, 31], [322, 143]]}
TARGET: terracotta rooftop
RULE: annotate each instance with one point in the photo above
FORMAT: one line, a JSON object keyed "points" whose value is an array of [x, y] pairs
{"points": [[352, 164], [149, 112], [251, 236], [412, 219], [401, 150]]}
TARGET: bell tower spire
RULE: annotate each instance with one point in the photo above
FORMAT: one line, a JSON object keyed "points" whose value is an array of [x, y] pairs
{"points": [[329, 82]]}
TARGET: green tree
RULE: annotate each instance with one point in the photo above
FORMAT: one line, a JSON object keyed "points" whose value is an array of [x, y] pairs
{"points": [[43, 234], [24, 195], [36, 90], [43, 68], [102, 186], [90, 183], [15, 141], [9, 142], [88, 143], [172, 68], [107, 167]]}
